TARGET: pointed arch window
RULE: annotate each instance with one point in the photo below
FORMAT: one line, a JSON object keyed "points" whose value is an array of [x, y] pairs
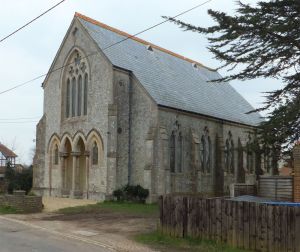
{"points": [[180, 152], [229, 154], [79, 95], [73, 97], [85, 94], [250, 163], [76, 86], [205, 152], [172, 152], [56, 156], [95, 154], [68, 91]]}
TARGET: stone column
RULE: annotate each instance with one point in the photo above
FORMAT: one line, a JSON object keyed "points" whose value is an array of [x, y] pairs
{"points": [[87, 172], [296, 156], [75, 156]]}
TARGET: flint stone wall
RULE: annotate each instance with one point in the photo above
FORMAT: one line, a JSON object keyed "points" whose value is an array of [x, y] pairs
{"points": [[22, 203]]}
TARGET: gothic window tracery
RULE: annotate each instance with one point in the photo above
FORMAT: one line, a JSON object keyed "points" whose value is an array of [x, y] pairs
{"points": [[76, 86], [205, 151], [229, 154]]}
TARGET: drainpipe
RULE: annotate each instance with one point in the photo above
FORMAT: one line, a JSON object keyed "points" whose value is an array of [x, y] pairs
{"points": [[129, 126]]}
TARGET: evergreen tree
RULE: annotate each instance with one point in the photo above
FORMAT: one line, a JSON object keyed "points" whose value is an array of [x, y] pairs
{"points": [[264, 41]]}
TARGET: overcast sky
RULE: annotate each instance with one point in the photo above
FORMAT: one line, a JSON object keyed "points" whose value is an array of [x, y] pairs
{"points": [[30, 52]]}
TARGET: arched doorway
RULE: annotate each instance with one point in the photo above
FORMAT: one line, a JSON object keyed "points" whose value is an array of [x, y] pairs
{"points": [[66, 167], [81, 167], [94, 162], [53, 157]]}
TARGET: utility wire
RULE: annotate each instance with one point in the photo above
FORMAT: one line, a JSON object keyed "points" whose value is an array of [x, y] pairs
{"points": [[105, 48], [31, 21], [18, 122], [20, 118]]}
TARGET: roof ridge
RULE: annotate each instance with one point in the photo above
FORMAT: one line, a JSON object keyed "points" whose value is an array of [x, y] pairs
{"points": [[105, 26]]}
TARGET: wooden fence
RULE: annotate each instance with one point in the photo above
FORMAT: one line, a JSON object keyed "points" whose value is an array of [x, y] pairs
{"points": [[246, 225], [276, 187]]}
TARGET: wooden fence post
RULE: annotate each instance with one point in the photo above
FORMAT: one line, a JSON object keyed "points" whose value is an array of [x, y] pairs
{"points": [[296, 156], [297, 229], [185, 217], [161, 211]]}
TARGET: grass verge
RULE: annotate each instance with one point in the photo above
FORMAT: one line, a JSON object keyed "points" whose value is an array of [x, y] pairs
{"points": [[112, 206], [7, 210], [166, 243]]}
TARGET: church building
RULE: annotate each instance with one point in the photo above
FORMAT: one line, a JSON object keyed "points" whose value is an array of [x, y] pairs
{"points": [[120, 110]]}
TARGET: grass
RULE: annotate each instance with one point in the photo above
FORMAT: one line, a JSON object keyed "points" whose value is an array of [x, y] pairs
{"points": [[166, 243], [7, 210], [116, 207]]}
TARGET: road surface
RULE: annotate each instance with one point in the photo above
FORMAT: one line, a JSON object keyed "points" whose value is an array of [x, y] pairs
{"points": [[17, 236]]}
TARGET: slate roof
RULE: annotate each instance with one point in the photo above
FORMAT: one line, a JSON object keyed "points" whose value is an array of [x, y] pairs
{"points": [[7, 152], [171, 79]]}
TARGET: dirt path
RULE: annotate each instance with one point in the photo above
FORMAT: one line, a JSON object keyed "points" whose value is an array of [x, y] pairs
{"points": [[113, 229], [52, 204]]}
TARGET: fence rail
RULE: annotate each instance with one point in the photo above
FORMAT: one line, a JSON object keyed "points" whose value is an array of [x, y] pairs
{"points": [[246, 225]]}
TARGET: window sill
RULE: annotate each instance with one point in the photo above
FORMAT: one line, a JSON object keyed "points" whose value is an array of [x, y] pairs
{"points": [[75, 119]]}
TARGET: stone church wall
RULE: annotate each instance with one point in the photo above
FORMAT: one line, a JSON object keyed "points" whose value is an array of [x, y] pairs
{"points": [[192, 128], [99, 98], [39, 158], [143, 124], [137, 112]]}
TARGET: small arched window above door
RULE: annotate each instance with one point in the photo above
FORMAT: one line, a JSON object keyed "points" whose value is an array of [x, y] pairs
{"points": [[55, 155], [95, 154]]}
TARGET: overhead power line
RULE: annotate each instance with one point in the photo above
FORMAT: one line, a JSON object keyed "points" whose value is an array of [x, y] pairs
{"points": [[19, 122], [31, 21], [19, 118], [105, 48]]}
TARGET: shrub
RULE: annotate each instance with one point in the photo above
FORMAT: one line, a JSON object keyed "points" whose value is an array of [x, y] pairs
{"points": [[18, 181], [31, 193], [118, 194], [131, 193]]}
